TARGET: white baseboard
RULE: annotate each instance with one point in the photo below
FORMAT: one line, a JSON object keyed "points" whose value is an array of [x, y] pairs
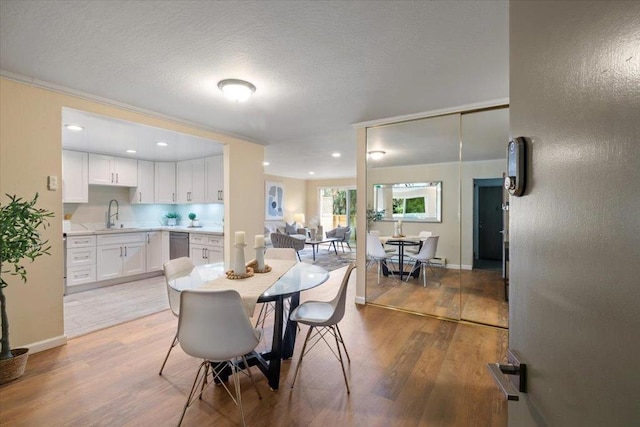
{"points": [[360, 300], [39, 346]]}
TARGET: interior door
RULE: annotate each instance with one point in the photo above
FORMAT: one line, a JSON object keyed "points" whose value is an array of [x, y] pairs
{"points": [[490, 223]]}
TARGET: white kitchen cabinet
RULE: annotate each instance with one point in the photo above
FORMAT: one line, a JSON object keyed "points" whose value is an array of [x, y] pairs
{"points": [[80, 260], [144, 192], [75, 177], [166, 254], [120, 254], [191, 181], [165, 182], [215, 179], [109, 170], [154, 251], [205, 248]]}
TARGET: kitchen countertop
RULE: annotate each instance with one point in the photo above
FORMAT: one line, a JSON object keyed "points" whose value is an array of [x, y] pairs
{"points": [[216, 230]]}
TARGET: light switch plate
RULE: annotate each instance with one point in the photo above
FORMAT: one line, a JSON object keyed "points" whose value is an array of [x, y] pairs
{"points": [[52, 182]]}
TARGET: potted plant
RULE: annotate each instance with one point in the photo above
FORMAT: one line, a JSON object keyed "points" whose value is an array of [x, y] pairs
{"points": [[374, 216], [172, 218], [20, 239], [194, 221]]}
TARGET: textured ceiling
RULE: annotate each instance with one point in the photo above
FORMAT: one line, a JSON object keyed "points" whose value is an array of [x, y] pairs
{"points": [[318, 66]]}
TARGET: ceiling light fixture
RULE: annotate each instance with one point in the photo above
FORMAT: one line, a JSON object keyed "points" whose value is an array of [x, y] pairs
{"points": [[131, 151], [336, 154], [236, 90], [74, 128], [376, 155], [265, 163], [161, 144], [312, 173]]}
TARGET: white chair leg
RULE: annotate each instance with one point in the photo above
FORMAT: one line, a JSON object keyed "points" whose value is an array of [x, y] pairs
{"points": [[173, 344], [304, 347]]}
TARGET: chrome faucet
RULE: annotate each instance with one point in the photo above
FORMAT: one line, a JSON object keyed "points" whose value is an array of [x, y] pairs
{"points": [[109, 214]]}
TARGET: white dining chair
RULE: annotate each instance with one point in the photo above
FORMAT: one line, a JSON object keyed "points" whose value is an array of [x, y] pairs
{"points": [[214, 326], [268, 307], [174, 269], [377, 254], [423, 259], [423, 235], [322, 318]]}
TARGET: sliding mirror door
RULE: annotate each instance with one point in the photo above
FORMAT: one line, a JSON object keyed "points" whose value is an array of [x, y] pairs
{"points": [[417, 181], [484, 225]]}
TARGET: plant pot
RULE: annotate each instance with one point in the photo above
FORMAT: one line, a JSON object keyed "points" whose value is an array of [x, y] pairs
{"points": [[195, 223], [171, 221], [11, 369]]}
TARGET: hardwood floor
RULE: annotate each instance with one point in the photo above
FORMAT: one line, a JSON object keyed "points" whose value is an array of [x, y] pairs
{"points": [[406, 370], [473, 295]]}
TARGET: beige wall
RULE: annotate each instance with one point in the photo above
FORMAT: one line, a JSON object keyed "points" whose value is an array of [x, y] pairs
{"points": [[30, 150]]}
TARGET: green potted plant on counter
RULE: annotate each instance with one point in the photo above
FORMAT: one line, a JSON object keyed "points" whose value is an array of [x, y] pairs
{"points": [[20, 239], [172, 218], [195, 222]]}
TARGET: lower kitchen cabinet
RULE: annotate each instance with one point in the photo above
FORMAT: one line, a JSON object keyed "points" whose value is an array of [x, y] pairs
{"points": [[154, 251], [121, 255], [205, 248], [80, 260]]}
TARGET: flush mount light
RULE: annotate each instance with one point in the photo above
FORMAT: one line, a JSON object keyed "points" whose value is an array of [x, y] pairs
{"points": [[236, 90], [312, 173], [161, 144], [73, 127], [376, 155], [131, 151], [265, 163], [336, 154]]}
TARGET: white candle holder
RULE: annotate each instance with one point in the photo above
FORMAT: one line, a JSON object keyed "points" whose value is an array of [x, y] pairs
{"points": [[239, 266], [260, 257]]}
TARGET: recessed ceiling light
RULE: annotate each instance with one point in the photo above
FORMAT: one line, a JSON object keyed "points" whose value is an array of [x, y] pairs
{"points": [[161, 144], [312, 173], [132, 151], [336, 154], [376, 154], [74, 128], [265, 163], [236, 90]]}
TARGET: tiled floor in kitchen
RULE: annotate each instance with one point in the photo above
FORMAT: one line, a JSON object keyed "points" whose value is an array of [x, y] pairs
{"points": [[101, 308]]}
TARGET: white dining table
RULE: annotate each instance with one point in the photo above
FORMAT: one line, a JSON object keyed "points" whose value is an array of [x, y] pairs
{"points": [[287, 279]]}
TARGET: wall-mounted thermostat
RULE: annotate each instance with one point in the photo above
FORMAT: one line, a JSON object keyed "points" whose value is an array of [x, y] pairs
{"points": [[514, 182]]}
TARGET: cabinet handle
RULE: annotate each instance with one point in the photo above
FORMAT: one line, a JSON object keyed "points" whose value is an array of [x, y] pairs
{"points": [[116, 178], [125, 251], [148, 239], [203, 256], [206, 254], [120, 251], [140, 196], [112, 177], [173, 196]]}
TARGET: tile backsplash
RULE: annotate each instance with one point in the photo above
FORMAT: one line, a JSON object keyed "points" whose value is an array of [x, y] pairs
{"points": [[94, 213]]}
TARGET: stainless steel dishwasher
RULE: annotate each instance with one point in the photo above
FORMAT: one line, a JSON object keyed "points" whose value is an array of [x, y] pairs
{"points": [[178, 244]]}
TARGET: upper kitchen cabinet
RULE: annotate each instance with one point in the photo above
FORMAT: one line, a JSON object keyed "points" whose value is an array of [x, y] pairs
{"points": [[75, 177], [144, 192], [109, 170], [190, 181], [215, 179], [165, 182]]}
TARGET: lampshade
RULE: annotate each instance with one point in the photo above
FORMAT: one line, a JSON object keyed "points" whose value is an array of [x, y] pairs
{"points": [[299, 218], [236, 90], [376, 155]]}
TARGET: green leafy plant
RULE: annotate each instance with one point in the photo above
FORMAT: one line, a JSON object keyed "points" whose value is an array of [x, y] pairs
{"points": [[192, 216], [172, 215], [20, 240], [374, 215]]}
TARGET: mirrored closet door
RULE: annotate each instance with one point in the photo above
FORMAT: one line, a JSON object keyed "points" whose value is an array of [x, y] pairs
{"points": [[439, 177]]}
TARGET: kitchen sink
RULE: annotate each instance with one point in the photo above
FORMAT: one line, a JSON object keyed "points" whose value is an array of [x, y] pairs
{"points": [[118, 229]]}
